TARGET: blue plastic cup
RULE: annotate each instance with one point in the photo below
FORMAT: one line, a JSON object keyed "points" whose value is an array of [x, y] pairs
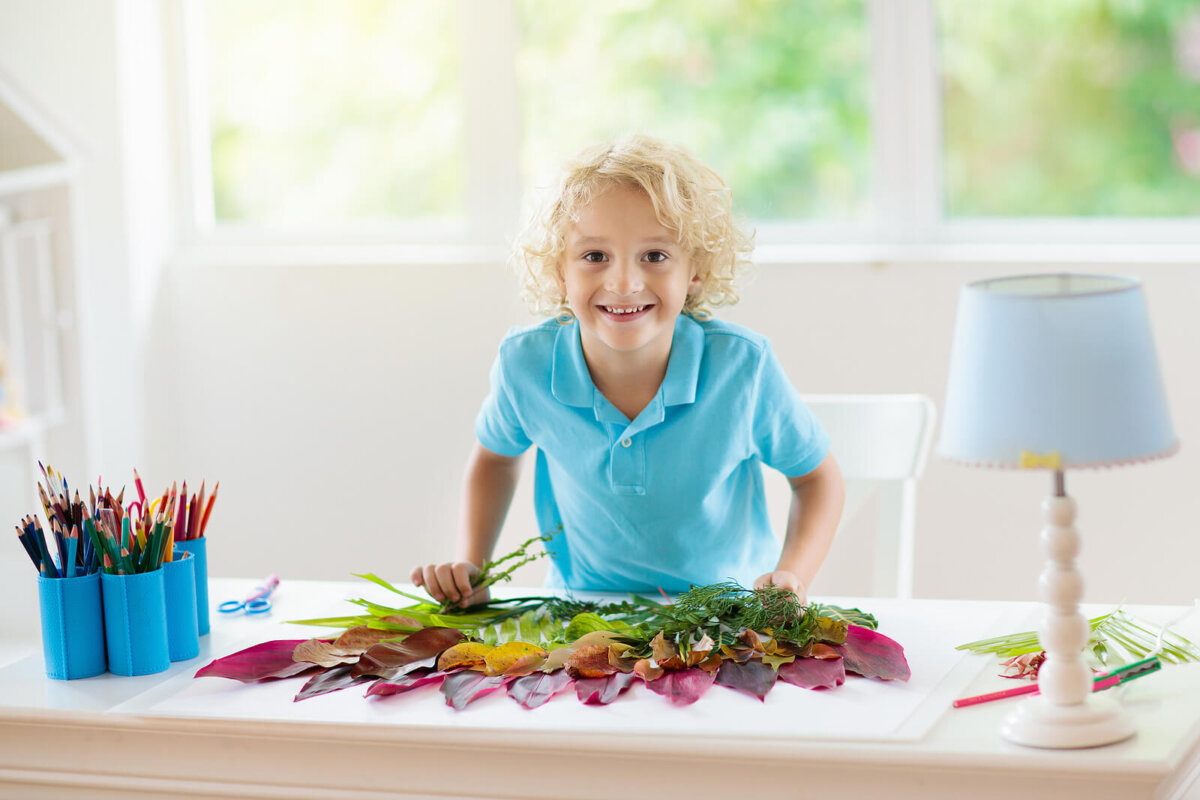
{"points": [[198, 549], [135, 622], [72, 626], [179, 580]]}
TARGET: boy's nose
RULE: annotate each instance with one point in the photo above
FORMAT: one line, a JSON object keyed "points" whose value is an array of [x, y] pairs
{"points": [[624, 277]]}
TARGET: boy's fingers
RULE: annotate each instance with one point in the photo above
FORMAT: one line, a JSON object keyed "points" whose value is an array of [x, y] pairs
{"points": [[416, 578], [445, 579], [430, 581], [462, 578]]}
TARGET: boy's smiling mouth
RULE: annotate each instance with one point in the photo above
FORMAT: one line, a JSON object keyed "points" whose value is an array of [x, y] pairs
{"points": [[625, 312]]}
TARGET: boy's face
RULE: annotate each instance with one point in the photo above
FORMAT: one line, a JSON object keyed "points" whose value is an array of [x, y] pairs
{"points": [[626, 276]]}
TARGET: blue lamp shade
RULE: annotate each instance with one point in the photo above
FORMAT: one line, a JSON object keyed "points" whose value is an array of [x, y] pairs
{"points": [[1057, 371]]}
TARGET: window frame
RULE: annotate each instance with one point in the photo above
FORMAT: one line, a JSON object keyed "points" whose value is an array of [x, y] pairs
{"points": [[905, 221]]}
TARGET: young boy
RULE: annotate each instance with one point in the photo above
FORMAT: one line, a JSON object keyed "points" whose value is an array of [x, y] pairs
{"points": [[651, 419]]}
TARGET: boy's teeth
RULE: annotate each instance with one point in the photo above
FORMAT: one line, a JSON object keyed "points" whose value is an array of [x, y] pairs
{"points": [[615, 310]]}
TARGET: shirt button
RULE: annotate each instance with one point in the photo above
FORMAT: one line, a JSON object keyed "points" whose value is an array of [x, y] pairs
{"points": [[626, 442]]}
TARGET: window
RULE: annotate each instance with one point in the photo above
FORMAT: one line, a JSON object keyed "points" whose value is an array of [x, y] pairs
{"points": [[325, 112], [869, 122], [1107, 95]]}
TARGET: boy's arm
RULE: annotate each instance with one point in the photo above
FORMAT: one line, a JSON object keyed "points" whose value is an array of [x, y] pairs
{"points": [[488, 487], [817, 500]]}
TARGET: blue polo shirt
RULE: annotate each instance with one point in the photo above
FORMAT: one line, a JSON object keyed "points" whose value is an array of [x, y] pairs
{"points": [[673, 498]]}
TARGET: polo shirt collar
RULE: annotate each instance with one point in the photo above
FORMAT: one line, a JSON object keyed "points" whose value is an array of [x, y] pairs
{"points": [[571, 383]]}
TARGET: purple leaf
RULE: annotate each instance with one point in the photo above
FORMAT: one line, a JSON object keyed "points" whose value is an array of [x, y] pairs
{"points": [[814, 673], [422, 676], [386, 658], [468, 686], [754, 677], [330, 680], [871, 654], [602, 691], [262, 662], [535, 689], [684, 686]]}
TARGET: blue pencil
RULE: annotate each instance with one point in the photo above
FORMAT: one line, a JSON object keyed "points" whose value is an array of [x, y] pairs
{"points": [[72, 544]]}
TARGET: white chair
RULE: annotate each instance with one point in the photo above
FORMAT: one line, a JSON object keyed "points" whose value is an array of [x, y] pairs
{"points": [[881, 442]]}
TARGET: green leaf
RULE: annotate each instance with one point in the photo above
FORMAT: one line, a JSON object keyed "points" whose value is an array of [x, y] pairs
{"points": [[373, 578], [590, 621]]}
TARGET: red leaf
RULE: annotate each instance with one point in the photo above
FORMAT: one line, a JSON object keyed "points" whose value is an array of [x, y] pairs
{"points": [[533, 690], [422, 676], [871, 654], [386, 658], [814, 673], [468, 686], [754, 677], [684, 686], [602, 691], [330, 680], [262, 662]]}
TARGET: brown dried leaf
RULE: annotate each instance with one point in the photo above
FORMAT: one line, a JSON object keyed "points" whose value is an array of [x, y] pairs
{"points": [[700, 650], [593, 638], [712, 662], [618, 658], [590, 662], [387, 659], [400, 619], [665, 654], [500, 660], [359, 638], [647, 671], [751, 640], [557, 659], [471, 655], [323, 653], [824, 651]]}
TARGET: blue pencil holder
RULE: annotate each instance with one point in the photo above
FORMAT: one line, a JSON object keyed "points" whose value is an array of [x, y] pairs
{"points": [[135, 622], [72, 626], [198, 549], [179, 581]]}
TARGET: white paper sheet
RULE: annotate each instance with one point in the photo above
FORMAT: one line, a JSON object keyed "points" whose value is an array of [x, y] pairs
{"points": [[861, 709]]}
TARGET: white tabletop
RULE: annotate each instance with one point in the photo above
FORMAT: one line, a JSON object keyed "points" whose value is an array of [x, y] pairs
{"points": [[218, 737]]}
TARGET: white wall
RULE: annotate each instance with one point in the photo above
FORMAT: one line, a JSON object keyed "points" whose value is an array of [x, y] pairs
{"points": [[336, 404]]}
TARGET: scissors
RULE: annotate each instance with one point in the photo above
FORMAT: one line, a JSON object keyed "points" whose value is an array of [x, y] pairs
{"points": [[256, 603]]}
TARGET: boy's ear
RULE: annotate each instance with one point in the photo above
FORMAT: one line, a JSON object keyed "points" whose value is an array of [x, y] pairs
{"points": [[694, 285]]}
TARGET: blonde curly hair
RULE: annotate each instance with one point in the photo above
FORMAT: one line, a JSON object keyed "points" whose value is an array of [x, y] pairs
{"points": [[689, 199]]}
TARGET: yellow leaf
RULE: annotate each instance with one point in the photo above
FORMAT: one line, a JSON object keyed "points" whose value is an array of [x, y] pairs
{"points": [[594, 638], [500, 659], [472, 655]]}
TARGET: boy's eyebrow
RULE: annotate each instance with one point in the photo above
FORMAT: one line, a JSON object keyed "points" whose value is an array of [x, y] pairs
{"points": [[601, 239]]}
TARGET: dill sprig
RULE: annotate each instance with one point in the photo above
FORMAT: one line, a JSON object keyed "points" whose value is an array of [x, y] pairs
{"points": [[722, 611]]}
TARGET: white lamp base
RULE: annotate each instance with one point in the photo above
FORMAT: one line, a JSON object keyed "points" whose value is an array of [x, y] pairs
{"points": [[1037, 722]]}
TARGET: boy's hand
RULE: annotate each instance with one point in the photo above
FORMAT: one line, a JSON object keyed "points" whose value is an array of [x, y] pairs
{"points": [[785, 580], [450, 583]]}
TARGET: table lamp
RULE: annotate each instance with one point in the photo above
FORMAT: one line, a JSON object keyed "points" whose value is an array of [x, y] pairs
{"points": [[1057, 372]]}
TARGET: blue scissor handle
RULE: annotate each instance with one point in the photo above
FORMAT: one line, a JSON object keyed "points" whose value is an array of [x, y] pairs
{"points": [[257, 606]]}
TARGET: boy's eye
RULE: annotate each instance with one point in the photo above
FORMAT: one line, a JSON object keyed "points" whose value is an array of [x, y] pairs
{"points": [[594, 256], [656, 256]]}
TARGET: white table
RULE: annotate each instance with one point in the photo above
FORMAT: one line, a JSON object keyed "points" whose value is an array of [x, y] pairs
{"points": [[172, 735]]}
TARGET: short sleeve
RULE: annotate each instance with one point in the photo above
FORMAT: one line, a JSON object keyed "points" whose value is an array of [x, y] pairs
{"points": [[786, 435], [498, 426]]}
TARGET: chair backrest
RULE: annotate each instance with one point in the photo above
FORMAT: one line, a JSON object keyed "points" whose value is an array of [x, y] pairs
{"points": [[881, 442]]}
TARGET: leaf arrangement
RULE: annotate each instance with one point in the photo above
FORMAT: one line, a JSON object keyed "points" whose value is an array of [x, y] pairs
{"points": [[534, 648], [1116, 638]]}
